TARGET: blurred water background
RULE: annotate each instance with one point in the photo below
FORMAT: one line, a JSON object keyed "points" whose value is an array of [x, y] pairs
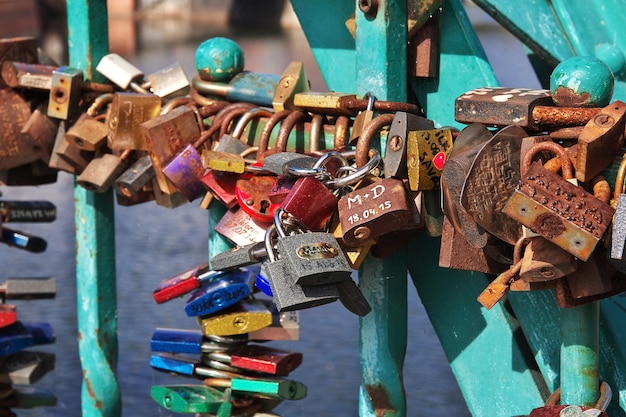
{"points": [[153, 243]]}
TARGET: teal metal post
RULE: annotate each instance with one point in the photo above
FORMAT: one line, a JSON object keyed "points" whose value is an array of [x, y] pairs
{"points": [[381, 69], [580, 375], [95, 239]]}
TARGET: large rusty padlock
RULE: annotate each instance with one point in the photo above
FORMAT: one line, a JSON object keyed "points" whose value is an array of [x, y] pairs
{"points": [[562, 212], [552, 408]]}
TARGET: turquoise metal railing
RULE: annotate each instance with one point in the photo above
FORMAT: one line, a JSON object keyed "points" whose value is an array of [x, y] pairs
{"points": [[486, 349]]}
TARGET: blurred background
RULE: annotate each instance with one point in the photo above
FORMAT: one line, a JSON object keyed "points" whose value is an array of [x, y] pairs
{"points": [[154, 243]]}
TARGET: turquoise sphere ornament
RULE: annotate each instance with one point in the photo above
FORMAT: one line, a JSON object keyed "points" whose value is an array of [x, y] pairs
{"points": [[219, 59], [582, 81]]}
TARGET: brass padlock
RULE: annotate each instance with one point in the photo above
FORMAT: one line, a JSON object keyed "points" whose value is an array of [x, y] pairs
{"points": [[128, 112], [99, 174], [395, 159], [87, 133], [562, 212], [427, 151]]}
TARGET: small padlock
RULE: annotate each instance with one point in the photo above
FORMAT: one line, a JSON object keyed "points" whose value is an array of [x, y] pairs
{"points": [[285, 326], [314, 258], [239, 257], [252, 193], [170, 200], [221, 185], [562, 212], [187, 398], [25, 367], [245, 316], [288, 295], [87, 133], [221, 293], [65, 92], [169, 82], [292, 81], [310, 202], [100, 172], [128, 112], [494, 174], [133, 179], [427, 151], [167, 134], [395, 160], [544, 261], [260, 358], [27, 211], [238, 227]]}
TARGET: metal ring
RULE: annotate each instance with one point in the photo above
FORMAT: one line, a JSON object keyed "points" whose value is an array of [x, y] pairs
{"points": [[356, 175], [305, 172], [371, 99]]}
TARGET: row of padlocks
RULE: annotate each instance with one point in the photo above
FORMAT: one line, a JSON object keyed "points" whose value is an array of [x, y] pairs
{"points": [[311, 183]]}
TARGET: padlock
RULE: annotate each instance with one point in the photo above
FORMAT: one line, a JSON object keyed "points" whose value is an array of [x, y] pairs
{"points": [[260, 358], [292, 81], [395, 160], [35, 173], [219, 294], [372, 210], [287, 295], [87, 133], [23, 240], [355, 255], [245, 316], [247, 86], [122, 73], [100, 172], [363, 118], [171, 199], [238, 227], [126, 116], [618, 228], [458, 164], [183, 283], [41, 332], [33, 142], [494, 174], [562, 212], [8, 314], [65, 92], [55, 161], [34, 211], [553, 408], [14, 113], [169, 82], [167, 134], [283, 389], [314, 258], [285, 326], [600, 140], [252, 193], [533, 110], [135, 177], [189, 398], [239, 257], [426, 155], [221, 185], [28, 397], [14, 338], [310, 202], [176, 341], [25, 367], [330, 103], [28, 288], [20, 49], [290, 163], [544, 261]]}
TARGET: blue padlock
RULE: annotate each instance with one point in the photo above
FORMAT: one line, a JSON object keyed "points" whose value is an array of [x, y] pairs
{"points": [[219, 294], [14, 338], [176, 341]]}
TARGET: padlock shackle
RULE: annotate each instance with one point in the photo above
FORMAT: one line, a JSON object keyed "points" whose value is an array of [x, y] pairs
{"points": [[254, 113], [217, 122], [566, 163], [266, 132], [518, 249], [363, 144], [357, 175], [341, 132], [317, 127], [288, 124], [603, 401], [229, 118], [619, 179]]}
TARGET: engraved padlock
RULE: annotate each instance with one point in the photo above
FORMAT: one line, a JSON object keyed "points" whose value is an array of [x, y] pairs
{"points": [[288, 295], [315, 258], [560, 211], [395, 159], [128, 111]]}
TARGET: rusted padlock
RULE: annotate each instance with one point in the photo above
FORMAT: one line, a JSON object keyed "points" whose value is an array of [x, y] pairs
{"points": [[552, 408], [562, 212]]}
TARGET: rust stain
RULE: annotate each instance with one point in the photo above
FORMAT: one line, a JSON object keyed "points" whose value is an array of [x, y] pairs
{"points": [[92, 394], [380, 399]]}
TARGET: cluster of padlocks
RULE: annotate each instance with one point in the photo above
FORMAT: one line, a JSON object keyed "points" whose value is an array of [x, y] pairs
{"points": [[301, 214], [20, 366]]}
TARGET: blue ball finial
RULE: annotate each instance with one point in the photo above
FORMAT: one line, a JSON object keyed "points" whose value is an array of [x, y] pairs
{"points": [[219, 59], [582, 81]]}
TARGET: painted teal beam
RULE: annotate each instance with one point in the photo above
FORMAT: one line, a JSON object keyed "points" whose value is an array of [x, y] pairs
{"points": [[331, 43], [95, 240], [580, 375], [381, 69], [217, 243]]}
